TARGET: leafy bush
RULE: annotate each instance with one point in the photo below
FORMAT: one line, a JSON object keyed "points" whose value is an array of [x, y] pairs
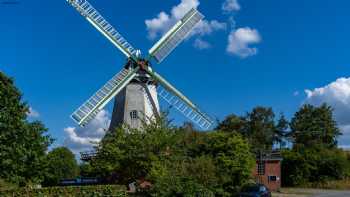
{"points": [[318, 164], [184, 176], [85, 191], [4, 186], [175, 160]]}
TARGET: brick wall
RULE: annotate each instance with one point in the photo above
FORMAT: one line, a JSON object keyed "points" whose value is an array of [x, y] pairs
{"points": [[271, 177]]}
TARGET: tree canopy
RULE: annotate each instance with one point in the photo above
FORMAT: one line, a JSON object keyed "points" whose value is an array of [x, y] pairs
{"points": [[22, 143], [259, 126], [175, 160], [314, 157], [315, 125], [60, 164]]}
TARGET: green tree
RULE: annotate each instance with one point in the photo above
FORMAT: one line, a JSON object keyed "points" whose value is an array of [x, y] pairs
{"points": [[22, 144], [281, 133], [232, 123], [258, 126], [315, 164], [130, 152], [315, 125], [60, 164], [178, 161], [232, 156]]}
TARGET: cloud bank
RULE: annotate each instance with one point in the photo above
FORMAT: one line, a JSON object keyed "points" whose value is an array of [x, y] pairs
{"points": [[83, 139]]}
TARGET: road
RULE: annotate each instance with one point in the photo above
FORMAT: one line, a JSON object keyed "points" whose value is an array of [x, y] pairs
{"points": [[332, 193], [299, 192]]}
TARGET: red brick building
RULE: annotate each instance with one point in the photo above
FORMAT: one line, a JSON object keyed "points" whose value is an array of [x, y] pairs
{"points": [[268, 170]]}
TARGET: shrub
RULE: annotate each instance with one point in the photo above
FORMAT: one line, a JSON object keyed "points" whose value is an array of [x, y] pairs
{"points": [[317, 164], [84, 191], [176, 161]]}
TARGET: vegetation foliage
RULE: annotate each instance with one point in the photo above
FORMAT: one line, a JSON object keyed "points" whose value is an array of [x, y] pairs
{"points": [[22, 143], [86, 191], [177, 161], [60, 164], [314, 157]]}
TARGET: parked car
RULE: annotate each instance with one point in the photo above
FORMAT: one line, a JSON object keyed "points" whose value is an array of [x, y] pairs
{"points": [[254, 190]]}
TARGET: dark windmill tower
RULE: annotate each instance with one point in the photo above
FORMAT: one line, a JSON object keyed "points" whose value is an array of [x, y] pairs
{"points": [[137, 86]]}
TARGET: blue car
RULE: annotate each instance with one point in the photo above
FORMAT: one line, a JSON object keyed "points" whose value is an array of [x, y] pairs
{"points": [[254, 190]]}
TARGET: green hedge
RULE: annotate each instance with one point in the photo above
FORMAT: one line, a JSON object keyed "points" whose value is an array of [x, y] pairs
{"points": [[83, 191]]}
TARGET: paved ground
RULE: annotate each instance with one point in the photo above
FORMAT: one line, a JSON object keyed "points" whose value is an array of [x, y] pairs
{"points": [[333, 194], [296, 192]]}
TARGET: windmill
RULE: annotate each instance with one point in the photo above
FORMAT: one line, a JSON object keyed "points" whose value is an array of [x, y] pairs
{"points": [[137, 86]]}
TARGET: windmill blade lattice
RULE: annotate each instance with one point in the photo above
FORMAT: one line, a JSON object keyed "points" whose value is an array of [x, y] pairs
{"points": [[194, 115], [101, 24], [175, 98], [94, 105], [175, 35]]}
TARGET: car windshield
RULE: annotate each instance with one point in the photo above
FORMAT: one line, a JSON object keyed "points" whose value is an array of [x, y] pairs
{"points": [[251, 188]]}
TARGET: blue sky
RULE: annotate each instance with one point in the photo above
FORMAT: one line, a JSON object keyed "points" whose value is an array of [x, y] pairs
{"points": [[59, 60]]}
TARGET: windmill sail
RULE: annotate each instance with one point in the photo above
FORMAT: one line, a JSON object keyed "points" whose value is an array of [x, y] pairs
{"points": [[176, 99], [175, 35], [90, 108], [101, 24]]}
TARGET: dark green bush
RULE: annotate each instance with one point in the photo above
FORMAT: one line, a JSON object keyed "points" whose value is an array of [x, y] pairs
{"points": [[83, 191], [317, 164]]}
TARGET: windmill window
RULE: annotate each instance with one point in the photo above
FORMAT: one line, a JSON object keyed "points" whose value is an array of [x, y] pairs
{"points": [[133, 115], [261, 168]]}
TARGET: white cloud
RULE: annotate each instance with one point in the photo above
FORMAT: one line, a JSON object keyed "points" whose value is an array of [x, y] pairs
{"points": [[231, 6], [158, 26], [201, 44], [336, 94], [205, 28], [180, 10], [296, 93], [33, 113], [239, 41], [82, 139]]}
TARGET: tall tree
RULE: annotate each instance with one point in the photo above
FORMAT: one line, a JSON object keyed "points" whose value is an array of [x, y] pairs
{"points": [[22, 144], [261, 128], [315, 125], [61, 164], [232, 123], [281, 133], [258, 126]]}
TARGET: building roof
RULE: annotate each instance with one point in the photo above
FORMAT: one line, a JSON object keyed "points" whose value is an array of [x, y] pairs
{"points": [[269, 156]]}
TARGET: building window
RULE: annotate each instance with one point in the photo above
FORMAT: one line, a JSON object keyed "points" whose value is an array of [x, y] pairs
{"points": [[261, 167], [272, 178], [133, 115]]}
